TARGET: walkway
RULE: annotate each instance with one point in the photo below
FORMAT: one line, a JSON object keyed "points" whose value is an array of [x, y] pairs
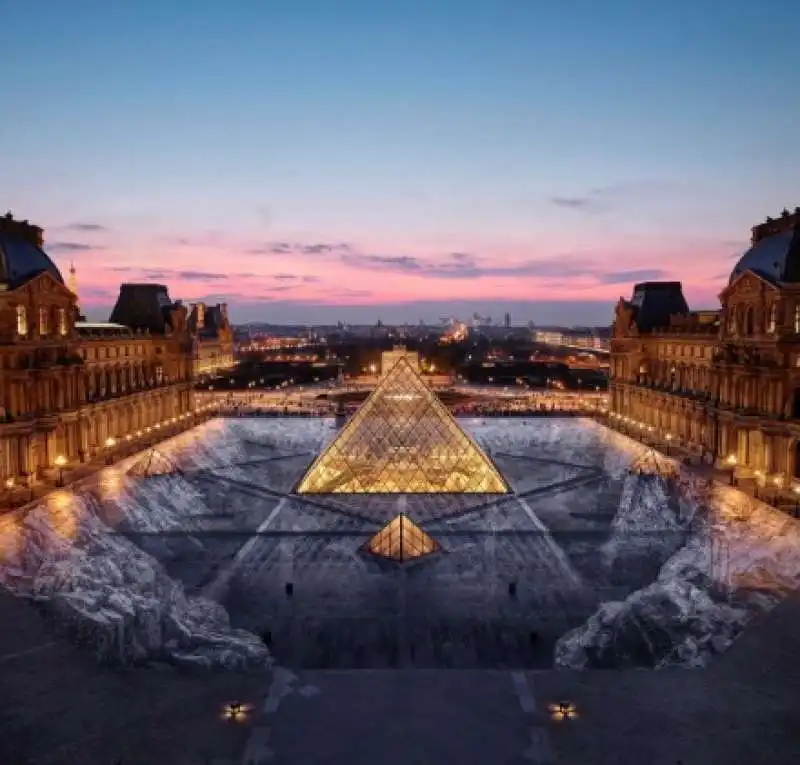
{"points": [[58, 708], [743, 710], [21, 496]]}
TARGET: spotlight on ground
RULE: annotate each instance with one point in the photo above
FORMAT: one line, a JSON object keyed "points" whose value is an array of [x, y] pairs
{"points": [[235, 711], [562, 710]]}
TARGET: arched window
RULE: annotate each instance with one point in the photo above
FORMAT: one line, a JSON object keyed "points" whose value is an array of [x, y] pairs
{"points": [[63, 325], [749, 322], [44, 320]]}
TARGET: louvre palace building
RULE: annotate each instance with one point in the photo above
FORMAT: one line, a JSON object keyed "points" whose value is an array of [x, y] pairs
{"points": [[70, 389], [723, 384]]}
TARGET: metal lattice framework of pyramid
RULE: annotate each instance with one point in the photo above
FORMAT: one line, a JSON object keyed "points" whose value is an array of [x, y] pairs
{"points": [[152, 463], [401, 540], [402, 440]]}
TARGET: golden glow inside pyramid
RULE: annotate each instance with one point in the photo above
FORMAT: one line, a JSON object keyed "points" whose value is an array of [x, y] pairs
{"points": [[402, 440], [401, 540]]}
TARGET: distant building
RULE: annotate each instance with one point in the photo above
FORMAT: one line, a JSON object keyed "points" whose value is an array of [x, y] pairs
{"points": [[212, 337], [507, 321]]}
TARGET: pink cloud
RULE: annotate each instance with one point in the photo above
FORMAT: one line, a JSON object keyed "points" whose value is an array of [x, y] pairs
{"points": [[333, 270]]}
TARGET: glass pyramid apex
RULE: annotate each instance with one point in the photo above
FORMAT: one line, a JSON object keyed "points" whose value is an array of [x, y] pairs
{"points": [[401, 540], [402, 440], [153, 462]]}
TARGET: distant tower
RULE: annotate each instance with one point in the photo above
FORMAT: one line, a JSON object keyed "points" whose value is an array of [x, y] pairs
{"points": [[508, 321], [72, 282]]}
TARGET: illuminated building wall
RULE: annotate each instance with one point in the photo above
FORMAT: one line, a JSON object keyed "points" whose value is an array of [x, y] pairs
{"points": [[725, 383], [68, 386]]}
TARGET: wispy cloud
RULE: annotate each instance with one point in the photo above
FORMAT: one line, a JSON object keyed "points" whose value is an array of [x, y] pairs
{"points": [[294, 248], [72, 247], [85, 227], [603, 199], [635, 275], [200, 276], [574, 203]]}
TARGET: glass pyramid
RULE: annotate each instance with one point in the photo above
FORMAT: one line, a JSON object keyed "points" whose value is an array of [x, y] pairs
{"points": [[153, 462], [401, 540], [402, 440]]}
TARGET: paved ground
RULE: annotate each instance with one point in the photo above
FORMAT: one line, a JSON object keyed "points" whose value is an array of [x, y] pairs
{"points": [[58, 708]]}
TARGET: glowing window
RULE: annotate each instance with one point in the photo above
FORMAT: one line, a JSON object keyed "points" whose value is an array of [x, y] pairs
{"points": [[22, 320], [63, 326], [44, 323]]}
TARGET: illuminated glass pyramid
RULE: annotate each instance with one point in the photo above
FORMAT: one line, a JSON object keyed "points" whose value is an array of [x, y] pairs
{"points": [[402, 440], [401, 540]]}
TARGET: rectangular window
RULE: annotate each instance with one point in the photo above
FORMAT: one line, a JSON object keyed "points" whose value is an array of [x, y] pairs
{"points": [[44, 324], [797, 318], [22, 320], [63, 325], [159, 375]]}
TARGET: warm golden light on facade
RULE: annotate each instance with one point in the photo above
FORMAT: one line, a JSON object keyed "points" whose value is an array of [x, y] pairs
{"points": [[402, 440], [60, 461]]}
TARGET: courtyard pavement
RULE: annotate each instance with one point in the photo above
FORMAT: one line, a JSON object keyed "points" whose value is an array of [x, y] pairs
{"points": [[743, 710], [58, 708]]}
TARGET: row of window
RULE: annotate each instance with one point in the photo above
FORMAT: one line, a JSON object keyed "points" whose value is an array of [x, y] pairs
{"points": [[62, 323], [742, 320], [112, 352], [692, 351]]}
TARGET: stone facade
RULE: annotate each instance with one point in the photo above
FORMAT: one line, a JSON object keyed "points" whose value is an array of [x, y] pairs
{"points": [[726, 383], [70, 390], [212, 338]]}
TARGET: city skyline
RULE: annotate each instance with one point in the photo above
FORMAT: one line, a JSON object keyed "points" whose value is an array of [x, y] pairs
{"points": [[309, 163]]}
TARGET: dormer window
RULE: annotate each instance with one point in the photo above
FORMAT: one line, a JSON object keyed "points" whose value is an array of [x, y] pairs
{"points": [[22, 321], [63, 325], [44, 324]]}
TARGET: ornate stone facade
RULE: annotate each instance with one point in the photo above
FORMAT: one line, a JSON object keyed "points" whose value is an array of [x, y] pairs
{"points": [[725, 383], [212, 337], [69, 389]]}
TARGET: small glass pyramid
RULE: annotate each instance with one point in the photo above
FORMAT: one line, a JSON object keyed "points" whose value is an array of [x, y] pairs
{"points": [[153, 462], [402, 440], [401, 540]]}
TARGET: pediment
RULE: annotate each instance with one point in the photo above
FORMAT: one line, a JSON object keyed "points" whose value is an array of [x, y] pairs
{"points": [[46, 284], [748, 284]]}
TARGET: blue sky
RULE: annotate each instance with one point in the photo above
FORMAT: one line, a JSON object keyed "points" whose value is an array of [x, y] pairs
{"points": [[185, 140]]}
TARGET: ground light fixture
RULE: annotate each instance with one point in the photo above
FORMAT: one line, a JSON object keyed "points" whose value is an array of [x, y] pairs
{"points": [[59, 462], [236, 711], [561, 711]]}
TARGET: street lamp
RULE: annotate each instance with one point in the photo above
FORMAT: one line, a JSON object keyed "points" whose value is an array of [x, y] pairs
{"points": [[110, 444], [60, 461]]}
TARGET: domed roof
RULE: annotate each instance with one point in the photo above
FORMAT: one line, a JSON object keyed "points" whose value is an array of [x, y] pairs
{"points": [[20, 260], [775, 257]]}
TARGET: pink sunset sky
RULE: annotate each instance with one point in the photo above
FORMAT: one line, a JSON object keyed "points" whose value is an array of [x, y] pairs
{"points": [[331, 277], [400, 161]]}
